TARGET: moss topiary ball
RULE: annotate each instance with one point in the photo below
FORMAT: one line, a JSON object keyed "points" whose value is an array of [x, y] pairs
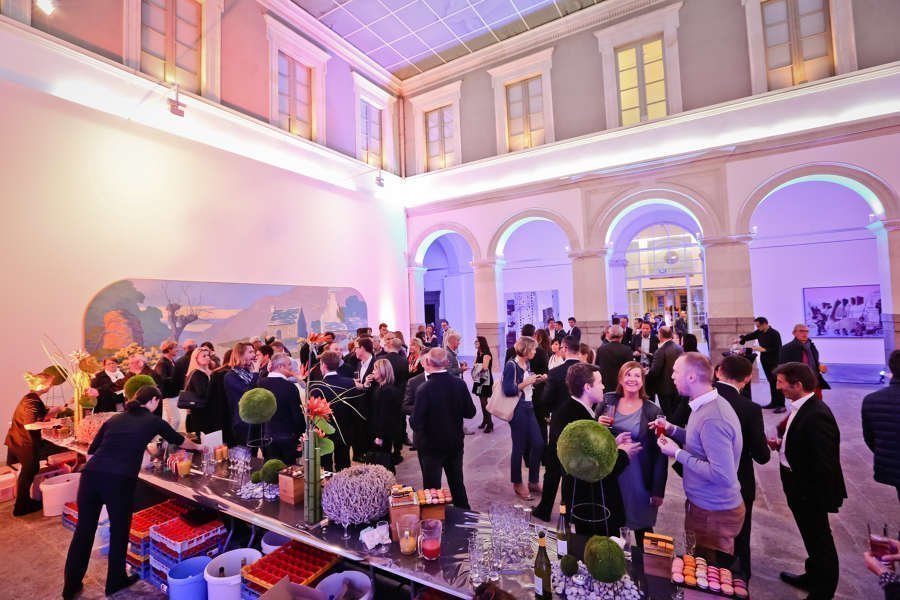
{"points": [[257, 406], [568, 564], [587, 450], [255, 476], [136, 383], [604, 559], [58, 374], [269, 471]]}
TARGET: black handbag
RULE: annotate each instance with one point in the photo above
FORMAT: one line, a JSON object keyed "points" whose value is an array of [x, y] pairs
{"points": [[188, 399]]}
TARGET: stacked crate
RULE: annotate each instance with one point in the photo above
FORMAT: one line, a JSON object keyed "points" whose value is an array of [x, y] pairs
{"points": [[177, 540], [301, 563], [138, 556], [70, 522]]}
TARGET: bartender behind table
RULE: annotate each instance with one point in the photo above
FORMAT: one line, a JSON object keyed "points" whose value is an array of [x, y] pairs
{"points": [[23, 440], [110, 477]]}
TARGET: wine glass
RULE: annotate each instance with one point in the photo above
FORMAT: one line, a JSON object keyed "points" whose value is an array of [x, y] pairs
{"points": [[383, 547], [345, 523], [690, 542], [627, 536]]}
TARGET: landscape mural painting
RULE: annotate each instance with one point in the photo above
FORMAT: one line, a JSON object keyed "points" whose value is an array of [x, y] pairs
{"points": [[147, 312]]}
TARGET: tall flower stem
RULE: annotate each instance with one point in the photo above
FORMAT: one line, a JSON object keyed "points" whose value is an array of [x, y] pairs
{"points": [[312, 501]]}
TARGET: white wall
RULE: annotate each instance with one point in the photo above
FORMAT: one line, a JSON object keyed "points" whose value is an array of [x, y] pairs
{"points": [[781, 267], [89, 199], [450, 273]]}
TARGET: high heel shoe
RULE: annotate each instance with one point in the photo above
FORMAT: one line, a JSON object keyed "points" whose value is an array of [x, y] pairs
{"points": [[482, 426]]}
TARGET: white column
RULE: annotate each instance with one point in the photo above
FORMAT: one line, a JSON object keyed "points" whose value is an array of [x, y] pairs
{"points": [[887, 236], [589, 291], [618, 286], [416, 276], [212, 50], [728, 290], [490, 315]]}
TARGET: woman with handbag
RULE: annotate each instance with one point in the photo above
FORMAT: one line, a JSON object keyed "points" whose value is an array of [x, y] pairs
{"points": [[195, 396], [386, 413], [527, 443], [483, 380]]}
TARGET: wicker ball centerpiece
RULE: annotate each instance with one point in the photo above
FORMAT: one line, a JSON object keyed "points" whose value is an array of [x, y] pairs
{"points": [[358, 494]]}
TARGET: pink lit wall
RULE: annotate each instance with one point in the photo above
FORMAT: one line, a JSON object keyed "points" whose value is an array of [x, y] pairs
{"points": [[96, 26], [813, 235], [89, 199]]}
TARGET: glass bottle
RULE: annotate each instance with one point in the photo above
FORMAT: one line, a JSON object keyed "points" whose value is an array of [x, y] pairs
{"points": [[562, 533], [543, 590]]}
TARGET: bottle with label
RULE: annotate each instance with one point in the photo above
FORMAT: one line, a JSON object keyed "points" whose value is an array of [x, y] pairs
{"points": [[221, 571], [543, 590], [562, 533]]}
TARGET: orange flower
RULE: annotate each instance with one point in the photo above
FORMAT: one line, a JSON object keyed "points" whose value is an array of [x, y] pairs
{"points": [[318, 407]]}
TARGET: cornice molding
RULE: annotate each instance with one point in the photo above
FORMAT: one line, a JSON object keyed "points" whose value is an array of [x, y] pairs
{"points": [[596, 16], [726, 240], [309, 25]]}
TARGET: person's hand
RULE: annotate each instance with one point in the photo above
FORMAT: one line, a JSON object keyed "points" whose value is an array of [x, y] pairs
{"points": [[530, 380], [378, 441], [667, 445], [670, 428], [605, 421], [463, 366], [774, 444], [823, 368], [623, 438], [873, 564], [359, 384], [656, 501], [630, 448]]}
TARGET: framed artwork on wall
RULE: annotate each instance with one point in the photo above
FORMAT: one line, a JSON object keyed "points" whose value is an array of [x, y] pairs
{"points": [[852, 311]]}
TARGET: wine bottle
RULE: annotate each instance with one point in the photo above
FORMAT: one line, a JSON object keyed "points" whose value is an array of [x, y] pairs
{"points": [[221, 571], [543, 590], [562, 533]]}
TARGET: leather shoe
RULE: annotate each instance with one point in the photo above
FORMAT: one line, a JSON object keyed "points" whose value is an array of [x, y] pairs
{"points": [[798, 581], [129, 581], [69, 594]]}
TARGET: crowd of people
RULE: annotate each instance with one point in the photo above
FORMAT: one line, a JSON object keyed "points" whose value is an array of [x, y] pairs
{"points": [[660, 398]]}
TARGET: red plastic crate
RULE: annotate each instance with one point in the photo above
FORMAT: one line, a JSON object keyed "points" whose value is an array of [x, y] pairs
{"points": [[143, 520], [179, 536], [301, 563]]}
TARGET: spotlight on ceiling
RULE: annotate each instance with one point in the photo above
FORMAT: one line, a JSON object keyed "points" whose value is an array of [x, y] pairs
{"points": [[176, 107], [47, 6]]}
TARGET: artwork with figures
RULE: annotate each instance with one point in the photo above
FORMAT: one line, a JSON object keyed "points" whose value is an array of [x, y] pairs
{"points": [[844, 311], [529, 307], [147, 312]]}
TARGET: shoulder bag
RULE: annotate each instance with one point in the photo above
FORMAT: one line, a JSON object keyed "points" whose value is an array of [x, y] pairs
{"points": [[499, 404]]}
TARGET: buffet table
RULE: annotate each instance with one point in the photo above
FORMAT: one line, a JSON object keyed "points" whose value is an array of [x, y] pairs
{"points": [[448, 574]]}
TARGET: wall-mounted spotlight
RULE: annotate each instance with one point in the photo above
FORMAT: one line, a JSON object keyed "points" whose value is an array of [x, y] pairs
{"points": [[379, 180], [176, 107], [47, 6]]}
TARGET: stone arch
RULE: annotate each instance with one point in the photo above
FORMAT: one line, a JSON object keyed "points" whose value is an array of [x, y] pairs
{"points": [[880, 197], [498, 241], [432, 233], [681, 199]]}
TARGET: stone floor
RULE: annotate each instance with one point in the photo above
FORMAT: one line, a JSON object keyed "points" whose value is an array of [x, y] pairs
{"points": [[34, 547]]}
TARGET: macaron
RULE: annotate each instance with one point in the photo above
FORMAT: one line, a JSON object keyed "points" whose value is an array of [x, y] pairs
{"points": [[702, 583], [741, 592], [678, 578], [714, 585], [690, 580], [727, 589]]}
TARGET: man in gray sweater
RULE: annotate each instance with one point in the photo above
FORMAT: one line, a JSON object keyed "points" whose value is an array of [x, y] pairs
{"points": [[710, 452]]}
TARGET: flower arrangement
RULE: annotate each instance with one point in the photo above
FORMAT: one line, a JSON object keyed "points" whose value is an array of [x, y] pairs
{"points": [[358, 494], [75, 368]]}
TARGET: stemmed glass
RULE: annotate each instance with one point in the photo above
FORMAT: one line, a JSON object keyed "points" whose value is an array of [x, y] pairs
{"points": [[382, 548], [345, 523], [477, 571], [627, 536]]}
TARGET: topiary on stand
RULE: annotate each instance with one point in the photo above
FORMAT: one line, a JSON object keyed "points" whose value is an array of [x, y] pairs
{"points": [[256, 408], [135, 383]]}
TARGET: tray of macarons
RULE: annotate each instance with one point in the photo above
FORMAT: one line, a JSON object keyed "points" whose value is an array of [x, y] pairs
{"points": [[696, 574]]}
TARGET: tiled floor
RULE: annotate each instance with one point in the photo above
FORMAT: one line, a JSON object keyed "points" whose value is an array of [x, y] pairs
{"points": [[34, 548]]}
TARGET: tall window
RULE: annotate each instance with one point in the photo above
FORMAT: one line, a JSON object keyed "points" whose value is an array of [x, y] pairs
{"points": [[439, 138], [171, 36], [525, 113], [294, 96], [642, 82], [370, 135], [798, 41]]}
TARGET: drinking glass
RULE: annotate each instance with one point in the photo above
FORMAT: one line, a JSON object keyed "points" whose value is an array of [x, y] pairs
{"points": [[661, 425], [690, 542], [609, 410], [430, 539], [627, 536], [346, 524]]}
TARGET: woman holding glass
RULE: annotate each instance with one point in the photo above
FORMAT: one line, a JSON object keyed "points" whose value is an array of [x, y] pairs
{"points": [[527, 443], [643, 482]]}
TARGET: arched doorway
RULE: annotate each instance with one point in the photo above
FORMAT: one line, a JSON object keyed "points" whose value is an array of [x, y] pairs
{"points": [[448, 286], [814, 260]]}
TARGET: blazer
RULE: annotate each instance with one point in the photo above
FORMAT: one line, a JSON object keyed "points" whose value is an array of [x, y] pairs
{"points": [[31, 409], [559, 335], [556, 393], [753, 433], [217, 407], [180, 369], [442, 402], [575, 332], [659, 379], [881, 431], [636, 342], [401, 369], [813, 452], [610, 358], [654, 464], [409, 396], [107, 397], [628, 336], [568, 412], [288, 421], [343, 414], [793, 352], [165, 371], [384, 421]]}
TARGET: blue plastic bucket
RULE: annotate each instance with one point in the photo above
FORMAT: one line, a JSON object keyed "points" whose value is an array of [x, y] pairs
{"points": [[185, 580]]}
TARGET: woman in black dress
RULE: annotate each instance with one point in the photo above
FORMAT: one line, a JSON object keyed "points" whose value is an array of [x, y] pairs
{"points": [[387, 401], [481, 373], [110, 477], [200, 419]]}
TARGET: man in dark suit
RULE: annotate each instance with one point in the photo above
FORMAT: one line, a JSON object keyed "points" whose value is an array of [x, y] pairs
{"points": [[610, 358], [412, 386], [365, 362], [394, 346], [659, 378], [881, 427], [109, 383], [733, 373], [556, 394], [574, 329], [802, 350], [811, 477], [627, 332], [179, 374], [165, 369], [680, 325], [585, 387], [341, 393], [288, 422], [560, 332], [769, 341], [441, 405], [645, 344]]}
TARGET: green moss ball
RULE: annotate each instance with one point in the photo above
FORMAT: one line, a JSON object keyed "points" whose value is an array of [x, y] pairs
{"points": [[255, 477], [136, 383], [587, 450], [257, 406], [604, 559], [269, 471], [568, 564]]}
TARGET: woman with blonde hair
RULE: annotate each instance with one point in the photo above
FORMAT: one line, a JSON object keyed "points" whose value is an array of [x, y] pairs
{"points": [[200, 418], [386, 413], [527, 443], [414, 358], [643, 482]]}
